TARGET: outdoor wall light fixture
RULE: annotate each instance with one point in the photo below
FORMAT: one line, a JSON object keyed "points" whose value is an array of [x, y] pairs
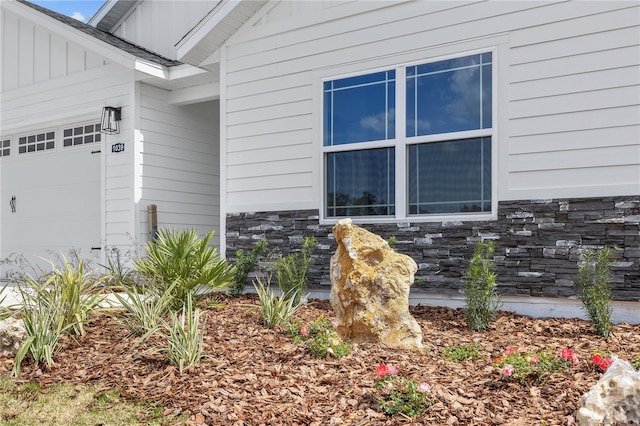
{"points": [[110, 123]]}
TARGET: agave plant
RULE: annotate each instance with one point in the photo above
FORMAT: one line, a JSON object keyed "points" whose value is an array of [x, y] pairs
{"points": [[180, 259]]}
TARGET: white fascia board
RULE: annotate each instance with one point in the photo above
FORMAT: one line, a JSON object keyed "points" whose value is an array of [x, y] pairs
{"points": [[195, 94], [102, 12], [205, 26], [167, 73], [111, 53]]}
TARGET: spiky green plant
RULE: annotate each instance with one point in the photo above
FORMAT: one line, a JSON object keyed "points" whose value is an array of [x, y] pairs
{"points": [[185, 339], [44, 319], [275, 311], [245, 262], [482, 302], [291, 270], [181, 257], [80, 293], [594, 276], [146, 309]]}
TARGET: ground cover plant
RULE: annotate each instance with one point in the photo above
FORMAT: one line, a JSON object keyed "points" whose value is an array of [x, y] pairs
{"points": [[251, 374]]}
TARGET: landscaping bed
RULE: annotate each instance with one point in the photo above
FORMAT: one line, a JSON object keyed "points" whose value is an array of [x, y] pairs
{"points": [[253, 375]]}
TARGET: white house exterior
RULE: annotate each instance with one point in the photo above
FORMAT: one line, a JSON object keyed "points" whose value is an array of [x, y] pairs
{"points": [[440, 123]]}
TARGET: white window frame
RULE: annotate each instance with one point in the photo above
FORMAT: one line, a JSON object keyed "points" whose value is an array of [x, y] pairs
{"points": [[401, 144]]}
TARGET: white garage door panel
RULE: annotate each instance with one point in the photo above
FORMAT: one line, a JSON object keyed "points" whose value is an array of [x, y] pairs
{"points": [[57, 204]]}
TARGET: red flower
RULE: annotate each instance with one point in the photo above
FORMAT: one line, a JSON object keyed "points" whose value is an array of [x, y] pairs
{"points": [[382, 371], [304, 330], [509, 351], [386, 369], [602, 363]]}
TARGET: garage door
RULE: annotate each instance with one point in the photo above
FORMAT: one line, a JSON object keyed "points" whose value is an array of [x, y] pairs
{"points": [[50, 186]]}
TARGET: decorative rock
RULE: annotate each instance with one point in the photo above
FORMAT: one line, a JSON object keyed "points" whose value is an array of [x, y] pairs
{"points": [[370, 289], [614, 400], [12, 336]]}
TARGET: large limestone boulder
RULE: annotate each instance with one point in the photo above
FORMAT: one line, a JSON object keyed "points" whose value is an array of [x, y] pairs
{"points": [[12, 336], [614, 400], [370, 289]]}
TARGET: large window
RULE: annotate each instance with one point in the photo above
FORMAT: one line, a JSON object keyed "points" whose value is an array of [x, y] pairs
{"points": [[431, 121]]}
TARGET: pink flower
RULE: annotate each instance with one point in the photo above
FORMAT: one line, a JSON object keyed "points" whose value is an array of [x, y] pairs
{"points": [[567, 354], [509, 351], [532, 359], [508, 370], [392, 369], [334, 324], [574, 359], [424, 387], [304, 330]]}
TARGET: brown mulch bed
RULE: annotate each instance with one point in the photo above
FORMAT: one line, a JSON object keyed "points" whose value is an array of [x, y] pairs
{"points": [[256, 376]]}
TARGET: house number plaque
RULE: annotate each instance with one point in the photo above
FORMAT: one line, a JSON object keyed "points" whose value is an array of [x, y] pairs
{"points": [[117, 147]]}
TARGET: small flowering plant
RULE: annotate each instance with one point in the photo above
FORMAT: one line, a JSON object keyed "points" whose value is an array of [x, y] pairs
{"points": [[602, 361], [397, 394], [321, 338], [525, 367]]}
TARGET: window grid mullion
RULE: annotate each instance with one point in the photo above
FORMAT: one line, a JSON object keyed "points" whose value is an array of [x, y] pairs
{"points": [[401, 146]]}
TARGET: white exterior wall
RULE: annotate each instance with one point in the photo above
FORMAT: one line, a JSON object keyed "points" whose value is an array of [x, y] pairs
{"points": [[48, 82], [178, 163], [568, 90], [160, 25]]}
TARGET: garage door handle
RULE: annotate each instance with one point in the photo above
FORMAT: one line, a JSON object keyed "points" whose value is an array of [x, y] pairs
{"points": [[96, 248], [96, 152]]}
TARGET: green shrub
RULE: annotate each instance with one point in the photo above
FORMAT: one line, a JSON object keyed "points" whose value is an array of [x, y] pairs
{"points": [[183, 259], [462, 352], [320, 338], [594, 276], [533, 368], [185, 339], [482, 302], [291, 270], [399, 395], [275, 311], [244, 265]]}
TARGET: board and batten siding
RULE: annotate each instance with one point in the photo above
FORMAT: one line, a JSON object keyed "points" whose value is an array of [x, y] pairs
{"points": [[568, 90], [41, 55], [160, 25], [178, 163]]}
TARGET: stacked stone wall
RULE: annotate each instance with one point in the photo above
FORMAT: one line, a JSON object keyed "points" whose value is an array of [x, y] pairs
{"points": [[537, 244]]}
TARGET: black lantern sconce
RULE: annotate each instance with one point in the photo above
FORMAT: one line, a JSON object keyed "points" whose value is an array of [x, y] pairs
{"points": [[110, 123]]}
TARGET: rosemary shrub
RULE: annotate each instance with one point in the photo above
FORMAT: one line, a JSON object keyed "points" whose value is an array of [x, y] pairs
{"points": [[482, 302], [244, 265], [594, 276], [291, 270]]}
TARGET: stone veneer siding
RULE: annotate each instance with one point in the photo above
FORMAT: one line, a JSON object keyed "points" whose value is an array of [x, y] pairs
{"points": [[537, 244]]}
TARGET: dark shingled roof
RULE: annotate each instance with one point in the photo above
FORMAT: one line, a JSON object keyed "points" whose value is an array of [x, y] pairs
{"points": [[126, 46]]}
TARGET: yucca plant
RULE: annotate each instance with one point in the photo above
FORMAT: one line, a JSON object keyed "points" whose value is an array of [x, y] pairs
{"points": [[44, 321], [183, 259], [185, 339], [275, 311], [482, 302], [594, 276]]}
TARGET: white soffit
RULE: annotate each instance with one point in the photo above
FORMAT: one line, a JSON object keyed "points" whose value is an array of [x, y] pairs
{"points": [[215, 28]]}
